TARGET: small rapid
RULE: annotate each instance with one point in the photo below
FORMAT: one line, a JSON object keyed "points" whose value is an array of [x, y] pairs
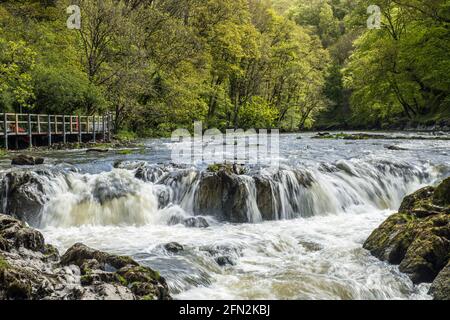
{"points": [[295, 232], [128, 197]]}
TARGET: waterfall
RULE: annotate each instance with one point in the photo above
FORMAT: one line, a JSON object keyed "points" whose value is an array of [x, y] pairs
{"points": [[141, 194]]}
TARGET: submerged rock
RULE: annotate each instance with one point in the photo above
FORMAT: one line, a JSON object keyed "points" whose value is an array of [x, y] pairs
{"points": [[417, 238], [26, 160], [173, 247], [33, 270]]}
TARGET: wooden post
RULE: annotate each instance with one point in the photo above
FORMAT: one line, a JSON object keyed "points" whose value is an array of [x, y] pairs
{"points": [[64, 129], [49, 129], [94, 129], [30, 132], [71, 125], [39, 123], [79, 130], [109, 126], [56, 124], [104, 128], [17, 124], [5, 129]]}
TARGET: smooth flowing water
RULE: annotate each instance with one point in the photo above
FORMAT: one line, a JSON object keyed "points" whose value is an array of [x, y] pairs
{"points": [[326, 199]]}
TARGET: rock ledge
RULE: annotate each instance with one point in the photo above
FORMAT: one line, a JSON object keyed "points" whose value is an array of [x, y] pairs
{"points": [[417, 238], [33, 270]]}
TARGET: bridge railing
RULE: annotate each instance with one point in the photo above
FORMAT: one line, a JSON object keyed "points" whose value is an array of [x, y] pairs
{"points": [[30, 125]]}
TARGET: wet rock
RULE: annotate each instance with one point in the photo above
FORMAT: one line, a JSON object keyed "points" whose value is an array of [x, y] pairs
{"points": [[23, 194], [173, 247], [223, 195], [417, 238], [79, 253], [26, 160], [442, 193], [33, 270], [440, 288], [15, 233], [395, 148], [224, 261], [98, 150], [192, 222], [311, 246], [265, 197], [228, 168], [224, 255], [145, 283], [196, 222]]}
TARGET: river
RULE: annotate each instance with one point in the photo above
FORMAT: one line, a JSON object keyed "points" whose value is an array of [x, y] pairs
{"points": [[328, 196]]}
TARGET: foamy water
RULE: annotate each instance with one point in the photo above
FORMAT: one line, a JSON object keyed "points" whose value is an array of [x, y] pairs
{"points": [[328, 196]]}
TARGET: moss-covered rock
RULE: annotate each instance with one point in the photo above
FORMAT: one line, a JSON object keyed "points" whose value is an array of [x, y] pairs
{"points": [[442, 193], [78, 254], [440, 288], [33, 270], [417, 238], [145, 283]]}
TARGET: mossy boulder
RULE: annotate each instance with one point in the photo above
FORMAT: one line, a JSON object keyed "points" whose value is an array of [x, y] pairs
{"points": [[79, 253], [417, 238], [30, 269], [440, 288]]}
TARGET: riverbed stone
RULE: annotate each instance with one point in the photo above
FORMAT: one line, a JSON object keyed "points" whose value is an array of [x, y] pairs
{"points": [[223, 195], [173, 247], [417, 238], [33, 270], [23, 194], [26, 160], [79, 253]]}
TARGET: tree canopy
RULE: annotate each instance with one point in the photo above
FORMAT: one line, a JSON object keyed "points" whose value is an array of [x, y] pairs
{"points": [[291, 64]]}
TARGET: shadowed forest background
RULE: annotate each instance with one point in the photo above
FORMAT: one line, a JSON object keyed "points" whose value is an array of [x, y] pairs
{"points": [[292, 64]]}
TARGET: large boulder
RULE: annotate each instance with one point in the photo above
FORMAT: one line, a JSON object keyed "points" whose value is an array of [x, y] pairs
{"points": [[440, 288], [23, 194], [33, 270], [417, 238], [222, 194]]}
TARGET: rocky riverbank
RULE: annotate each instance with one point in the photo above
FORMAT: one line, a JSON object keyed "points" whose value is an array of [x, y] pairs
{"points": [[417, 238], [30, 269]]}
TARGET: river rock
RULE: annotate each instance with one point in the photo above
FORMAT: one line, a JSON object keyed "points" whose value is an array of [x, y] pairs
{"points": [[440, 288], [33, 270], [23, 194], [417, 238], [266, 200], [223, 195], [25, 160], [173, 247]]}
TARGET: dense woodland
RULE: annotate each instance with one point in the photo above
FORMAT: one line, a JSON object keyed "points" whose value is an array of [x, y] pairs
{"points": [[292, 64]]}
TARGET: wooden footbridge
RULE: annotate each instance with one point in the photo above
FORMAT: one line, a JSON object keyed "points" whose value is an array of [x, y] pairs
{"points": [[30, 130]]}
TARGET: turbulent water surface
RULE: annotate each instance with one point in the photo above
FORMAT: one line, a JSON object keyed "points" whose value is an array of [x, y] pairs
{"points": [[328, 196]]}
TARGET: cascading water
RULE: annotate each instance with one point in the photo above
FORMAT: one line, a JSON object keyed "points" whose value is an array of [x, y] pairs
{"points": [[296, 231]]}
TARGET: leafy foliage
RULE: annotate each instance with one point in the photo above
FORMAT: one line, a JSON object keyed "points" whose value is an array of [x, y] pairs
{"points": [[291, 64]]}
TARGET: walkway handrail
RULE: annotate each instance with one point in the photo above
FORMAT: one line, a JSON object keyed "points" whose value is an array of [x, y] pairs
{"points": [[29, 124]]}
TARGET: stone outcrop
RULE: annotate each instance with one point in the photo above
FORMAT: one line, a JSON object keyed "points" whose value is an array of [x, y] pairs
{"points": [[417, 238], [222, 194], [33, 270]]}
